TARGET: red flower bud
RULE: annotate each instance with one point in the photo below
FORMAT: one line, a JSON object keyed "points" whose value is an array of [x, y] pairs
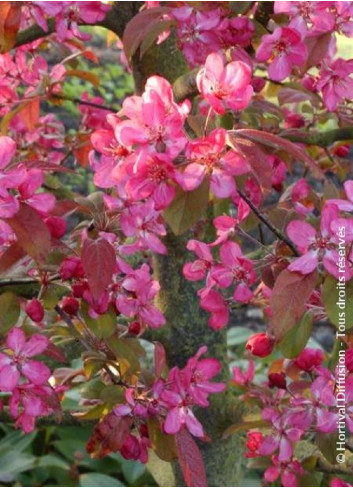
{"points": [[34, 310], [56, 226], [259, 344], [78, 289], [277, 380], [342, 151], [255, 439], [70, 305], [135, 328]]}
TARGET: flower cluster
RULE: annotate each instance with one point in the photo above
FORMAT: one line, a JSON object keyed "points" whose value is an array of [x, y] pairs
{"points": [[296, 400], [232, 269], [170, 401], [26, 380]]}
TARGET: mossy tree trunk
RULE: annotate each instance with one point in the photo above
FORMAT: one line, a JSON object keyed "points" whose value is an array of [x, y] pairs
{"points": [[187, 327]]}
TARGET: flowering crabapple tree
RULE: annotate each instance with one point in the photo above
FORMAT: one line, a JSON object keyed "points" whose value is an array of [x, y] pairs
{"points": [[223, 183]]}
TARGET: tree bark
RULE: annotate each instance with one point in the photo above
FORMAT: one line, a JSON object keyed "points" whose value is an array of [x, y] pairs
{"points": [[187, 327]]}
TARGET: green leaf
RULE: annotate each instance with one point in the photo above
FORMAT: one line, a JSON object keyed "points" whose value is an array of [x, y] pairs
{"points": [[297, 337], [11, 463], [132, 471], [53, 461], [245, 426], [32, 232], [187, 208], [95, 479], [52, 295], [238, 335], [162, 444], [330, 299], [103, 326], [127, 351], [112, 394], [9, 311]]}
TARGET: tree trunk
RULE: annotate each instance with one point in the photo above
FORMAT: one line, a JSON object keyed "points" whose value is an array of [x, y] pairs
{"points": [[187, 327], [187, 330]]}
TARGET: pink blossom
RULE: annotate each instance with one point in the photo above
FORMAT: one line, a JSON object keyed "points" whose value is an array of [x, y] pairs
{"points": [[209, 156], [143, 291], [225, 86], [69, 14], [198, 32], [143, 222], [309, 359], [17, 360], [198, 374], [152, 175], [234, 268], [317, 246], [285, 47], [335, 82], [9, 178], [154, 121], [279, 171], [337, 482], [197, 269], [287, 470], [42, 202], [179, 404], [300, 193], [286, 431], [241, 377], [213, 302], [36, 400], [226, 226]]}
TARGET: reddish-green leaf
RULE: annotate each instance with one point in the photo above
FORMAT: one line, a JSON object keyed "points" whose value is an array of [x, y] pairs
{"points": [[84, 75], [277, 142], [10, 256], [156, 28], [295, 340], [289, 296], [29, 115], [190, 460], [139, 26], [10, 18], [187, 208], [99, 263], [31, 232], [317, 49], [162, 444], [159, 358], [255, 156], [245, 426]]}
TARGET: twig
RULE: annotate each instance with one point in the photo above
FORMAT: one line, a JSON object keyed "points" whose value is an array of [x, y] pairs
{"points": [[269, 224], [79, 101]]}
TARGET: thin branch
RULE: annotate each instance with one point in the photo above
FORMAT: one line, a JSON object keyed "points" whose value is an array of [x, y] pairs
{"points": [[9, 282], [322, 139], [269, 224], [185, 86], [79, 101]]}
